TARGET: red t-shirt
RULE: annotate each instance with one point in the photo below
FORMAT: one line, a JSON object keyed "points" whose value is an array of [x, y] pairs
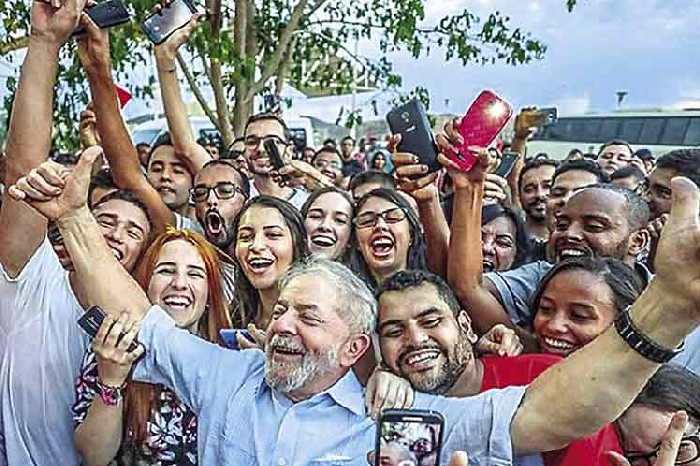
{"points": [[521, 370]]}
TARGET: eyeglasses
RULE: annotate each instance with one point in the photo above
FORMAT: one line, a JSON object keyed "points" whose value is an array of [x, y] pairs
{"points": [[254, 141], [321, 164], [370, 219], [223, 190], [688, 451]]}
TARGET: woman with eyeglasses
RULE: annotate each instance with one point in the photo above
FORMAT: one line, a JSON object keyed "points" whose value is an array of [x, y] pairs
{"points": [[328, 215], [329, 162], [388, 237], [122, 422]]}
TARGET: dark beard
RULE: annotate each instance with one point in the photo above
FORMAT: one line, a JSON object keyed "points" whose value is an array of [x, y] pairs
{"points": [[449, 372]]}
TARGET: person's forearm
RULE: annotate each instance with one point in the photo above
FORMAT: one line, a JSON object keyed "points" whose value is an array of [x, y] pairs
{"points": [[518, 145], [184, 142], [437, 234], [600, 380], [101, 279], [464, 261], [120, 151], [99, 436]]}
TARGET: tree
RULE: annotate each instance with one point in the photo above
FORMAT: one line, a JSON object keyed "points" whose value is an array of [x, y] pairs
{"points": [[251, 47]]}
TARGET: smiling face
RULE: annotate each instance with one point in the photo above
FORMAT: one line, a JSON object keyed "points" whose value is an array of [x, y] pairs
{"points": [[255, 154], [534, 191], [594, 223], [421, 340], [576, 307], [498, 244], [264, 246], [179, 283], [216, 215], [125, 229], [309, 345], [614, 157], [328, 225], [330, 164], [384, 245], [563, 188], [169, 176]]}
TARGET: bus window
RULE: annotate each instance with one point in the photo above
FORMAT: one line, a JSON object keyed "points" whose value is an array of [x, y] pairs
{"points": [[674, 131], [591, 129], [651, 130], [631, 128], [609, 129], [692, 136]]}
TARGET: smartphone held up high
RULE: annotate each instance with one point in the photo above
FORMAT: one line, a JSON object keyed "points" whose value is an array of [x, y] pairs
{"points": [[409, 437], [411, 122], [485, 119], [162, 24], [105, 15]]}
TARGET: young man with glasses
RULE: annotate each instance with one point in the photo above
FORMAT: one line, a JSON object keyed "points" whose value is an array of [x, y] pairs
{"points": [[261, 128]]}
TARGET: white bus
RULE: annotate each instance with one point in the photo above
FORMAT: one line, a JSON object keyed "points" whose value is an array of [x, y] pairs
{"points": [[659, 131]]}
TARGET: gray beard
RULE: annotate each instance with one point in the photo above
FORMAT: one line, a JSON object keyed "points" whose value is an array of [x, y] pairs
{"points": [[287, 378]]}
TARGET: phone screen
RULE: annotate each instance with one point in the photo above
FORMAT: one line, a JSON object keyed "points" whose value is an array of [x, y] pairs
{"points": [[160, 26], [409, 443]]}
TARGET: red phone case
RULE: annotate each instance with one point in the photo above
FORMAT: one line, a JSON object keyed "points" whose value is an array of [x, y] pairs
{"points": [[485, 119]]}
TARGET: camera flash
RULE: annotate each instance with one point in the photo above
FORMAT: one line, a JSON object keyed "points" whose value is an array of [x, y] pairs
{"points": [[496, 109]]}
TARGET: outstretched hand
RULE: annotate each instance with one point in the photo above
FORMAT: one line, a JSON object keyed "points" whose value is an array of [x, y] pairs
{"points": [[93, 46], [55, 191], [53, 22], [475, 176], [177, 39]]}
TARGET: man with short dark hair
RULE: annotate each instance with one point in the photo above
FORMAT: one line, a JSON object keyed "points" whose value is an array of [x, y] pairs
{"points": [[681, 162], [534, 184], [614, 155], [352, 165], [364, 182], [269, 127]]}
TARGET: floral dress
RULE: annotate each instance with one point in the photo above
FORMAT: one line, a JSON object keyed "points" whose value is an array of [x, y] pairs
{"points": [[172, 430]]}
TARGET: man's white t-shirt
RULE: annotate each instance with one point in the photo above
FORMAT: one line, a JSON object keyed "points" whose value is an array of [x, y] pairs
{"points": [[41, 347]]}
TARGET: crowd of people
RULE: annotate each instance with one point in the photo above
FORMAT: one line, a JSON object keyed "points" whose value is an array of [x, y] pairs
{"points": [[264, 315]]}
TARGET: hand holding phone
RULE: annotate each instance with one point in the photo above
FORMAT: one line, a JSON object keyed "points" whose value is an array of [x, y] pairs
{"points": [[91, 321], [230, 337], [164, 22], [409, 436], [411, 122], [507, 161], [105, 15], [485, 119]]}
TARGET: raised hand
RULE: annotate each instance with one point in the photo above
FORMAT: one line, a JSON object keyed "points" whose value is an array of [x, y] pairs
{"points": [[412, 176], [53, 22], [475, 176], [527, 122], [169, 48], [387, 391], [88, 128], [55, 191], [501, 341], [93, 47], [111, 345], [678, 251]]}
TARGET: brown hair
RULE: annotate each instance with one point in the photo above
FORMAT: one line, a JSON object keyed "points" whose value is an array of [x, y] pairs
{"points": [[142, 399]]}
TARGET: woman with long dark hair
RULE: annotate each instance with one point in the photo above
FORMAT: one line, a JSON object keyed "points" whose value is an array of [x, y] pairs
{"points": [[328, 215], [504, 241]]}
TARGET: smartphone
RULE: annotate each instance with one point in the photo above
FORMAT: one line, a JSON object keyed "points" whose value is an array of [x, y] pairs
{"points": [[409, 437], [548, 116], [106, 15], [411, 122], [507, 161], [91, 321], [273, 153], [159, 26], [228, 336], [485, 119]]}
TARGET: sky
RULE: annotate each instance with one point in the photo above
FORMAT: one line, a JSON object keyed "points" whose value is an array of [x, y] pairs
{"points": [[648, 48]]}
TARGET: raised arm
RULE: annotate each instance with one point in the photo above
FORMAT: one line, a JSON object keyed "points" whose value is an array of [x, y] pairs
{"points": [[184, 142], [602, 379], [122, 155], [525, 127], [464, 259], [29, 140]]}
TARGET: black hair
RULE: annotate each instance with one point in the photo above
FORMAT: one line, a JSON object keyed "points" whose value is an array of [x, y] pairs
{"points": [[584, 165], [535, 163], [491, 212], [636, 209], [644, 154], [247, 297], [616, 142], [684, 162], [126, 196], [413, 279], [672, 388], [330, 142], [326, 150], [332, 189], [270, 116], [629, 170], [162, 140], [244, 182], [348, 138], [624, 282], [372, 176], [102, 179], [416, 251]]}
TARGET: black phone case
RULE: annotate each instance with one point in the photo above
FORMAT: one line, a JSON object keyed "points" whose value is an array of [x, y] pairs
{"points": [[411, 122], [274, 154], [398, 415], [507, 163], [150, 26], [106, 15], [91, 321]]}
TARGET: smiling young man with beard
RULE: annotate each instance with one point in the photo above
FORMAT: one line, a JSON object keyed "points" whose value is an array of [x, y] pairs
{"points": [[534, 184], [426, 338]]}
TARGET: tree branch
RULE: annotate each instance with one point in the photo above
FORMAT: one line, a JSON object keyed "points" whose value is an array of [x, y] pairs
{"points": [[284, 41], [14, 44], [197, 91]]}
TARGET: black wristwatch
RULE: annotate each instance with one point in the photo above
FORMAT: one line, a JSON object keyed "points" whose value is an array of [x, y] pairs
{"points": [[641, 343]]}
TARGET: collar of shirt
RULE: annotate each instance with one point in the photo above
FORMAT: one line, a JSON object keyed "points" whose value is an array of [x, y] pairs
{"points": [[346, 392], [644, 272]]}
